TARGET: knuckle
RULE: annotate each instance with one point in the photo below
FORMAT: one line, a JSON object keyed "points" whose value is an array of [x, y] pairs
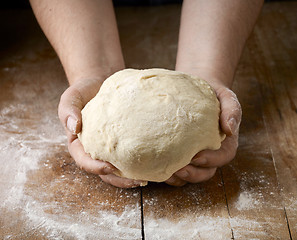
{"points": [[238, 112], [232, 96], [236, 108], [71, 96]]}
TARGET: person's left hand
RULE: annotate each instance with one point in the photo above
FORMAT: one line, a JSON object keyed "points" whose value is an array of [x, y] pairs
{"points": [[205, 163]]}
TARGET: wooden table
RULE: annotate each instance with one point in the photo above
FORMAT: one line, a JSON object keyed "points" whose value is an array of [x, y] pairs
{"points": [[45, 196]]}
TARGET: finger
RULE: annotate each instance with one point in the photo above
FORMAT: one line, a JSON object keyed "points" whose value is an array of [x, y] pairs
{"points": [[70, 137], [217, 158], [84, 161], [73, 100], [195, 174], [69, 110], [175, 181], [121, 182], [231, 112]]}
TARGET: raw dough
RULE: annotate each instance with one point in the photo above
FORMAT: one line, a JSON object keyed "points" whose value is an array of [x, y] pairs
{"points": [[150, 123]]}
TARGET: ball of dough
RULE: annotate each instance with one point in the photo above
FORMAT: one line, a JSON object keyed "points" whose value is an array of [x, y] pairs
{"points": [[150, 123]]}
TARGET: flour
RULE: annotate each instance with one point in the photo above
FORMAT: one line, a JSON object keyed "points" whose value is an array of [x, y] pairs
{"points": [[253, 229], [82, 225], [30, 132], [27, 150], [246, 201], [21, 153], [201, 227], [292, 202]]}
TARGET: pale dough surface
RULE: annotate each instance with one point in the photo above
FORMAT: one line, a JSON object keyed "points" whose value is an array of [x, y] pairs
{"points": [[150, 123]]}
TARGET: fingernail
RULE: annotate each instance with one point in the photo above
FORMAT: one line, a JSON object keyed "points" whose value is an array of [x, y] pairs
{"points": [[170, 180], [137, 183], [109, 170], [233, 126], [183, 174], [200, 161], [72, 124]]}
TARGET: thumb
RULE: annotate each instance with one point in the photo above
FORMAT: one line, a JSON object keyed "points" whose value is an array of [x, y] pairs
{"points": [[69, 110], [231, 112]]}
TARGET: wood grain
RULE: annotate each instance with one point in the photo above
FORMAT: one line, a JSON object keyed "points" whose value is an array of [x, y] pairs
{"points": [[45, 196], [277, 76], [251, 183]]}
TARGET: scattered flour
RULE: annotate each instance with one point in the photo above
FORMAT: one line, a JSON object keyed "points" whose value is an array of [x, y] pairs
{"points": [[26, 142], [202, 227], [253, 229], [246, 201], [82, 225], [25, 139]]}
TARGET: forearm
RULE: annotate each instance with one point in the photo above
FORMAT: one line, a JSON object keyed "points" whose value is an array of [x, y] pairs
{"points": [[84, 35], [212, 37]]}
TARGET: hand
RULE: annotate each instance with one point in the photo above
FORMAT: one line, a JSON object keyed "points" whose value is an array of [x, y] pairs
{"points": [[71, 103], [204, 164]]}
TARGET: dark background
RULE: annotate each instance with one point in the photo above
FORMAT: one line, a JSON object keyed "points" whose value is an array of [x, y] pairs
{"points": [[4, 4]]}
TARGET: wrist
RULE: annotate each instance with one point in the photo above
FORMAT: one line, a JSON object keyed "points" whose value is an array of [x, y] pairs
{"points": [[98, 75], [214, 76]]}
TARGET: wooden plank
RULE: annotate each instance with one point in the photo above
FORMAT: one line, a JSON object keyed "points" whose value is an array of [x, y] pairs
{"points": [[280, 119], [277, 79], [43, 194], [195, 211], [276, 27], [270, 56], [251, 185], [258, 203]]}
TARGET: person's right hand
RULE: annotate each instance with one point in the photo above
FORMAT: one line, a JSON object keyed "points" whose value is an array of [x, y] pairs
{"points": [[71, 103]]}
